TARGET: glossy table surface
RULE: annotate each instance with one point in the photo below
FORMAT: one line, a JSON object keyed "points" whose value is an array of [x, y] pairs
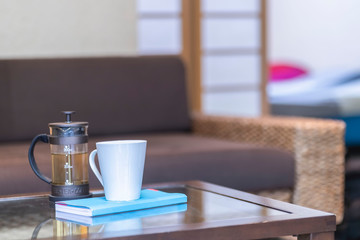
{"points": [[210, 213]]}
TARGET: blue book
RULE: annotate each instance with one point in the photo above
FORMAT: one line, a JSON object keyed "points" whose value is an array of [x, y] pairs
{"points": [[149, 198], [103, 219]]}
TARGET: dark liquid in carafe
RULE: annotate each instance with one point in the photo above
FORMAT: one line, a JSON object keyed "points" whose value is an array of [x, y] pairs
{"points": [[70, 169]]}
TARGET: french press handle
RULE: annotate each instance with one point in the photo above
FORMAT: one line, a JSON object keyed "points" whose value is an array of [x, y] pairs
{"points": [[43, 138]]}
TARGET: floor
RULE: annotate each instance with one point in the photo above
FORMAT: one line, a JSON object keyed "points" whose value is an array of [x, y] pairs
{"points": [[350, 228]]}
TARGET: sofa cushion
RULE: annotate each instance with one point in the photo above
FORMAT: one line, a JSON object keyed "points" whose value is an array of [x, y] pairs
{"points": [[116, 95], [5, 103], [170, 157], [183, 156]]}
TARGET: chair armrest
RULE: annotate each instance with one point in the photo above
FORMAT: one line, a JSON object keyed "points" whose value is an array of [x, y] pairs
{"points": [[317, 145]]}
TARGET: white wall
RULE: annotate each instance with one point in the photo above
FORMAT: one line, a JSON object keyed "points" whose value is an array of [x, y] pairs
{"points": [[319, 34], [51, 28]]}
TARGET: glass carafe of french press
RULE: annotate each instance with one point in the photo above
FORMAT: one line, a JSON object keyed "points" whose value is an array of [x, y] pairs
{"points": [[69, 156]]}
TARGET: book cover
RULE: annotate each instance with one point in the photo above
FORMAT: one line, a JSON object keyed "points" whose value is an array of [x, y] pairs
{"points": [[103, 219], [149, 198]]}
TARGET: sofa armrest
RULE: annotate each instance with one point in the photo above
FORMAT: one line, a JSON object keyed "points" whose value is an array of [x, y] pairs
{"points": [[317, 145]]}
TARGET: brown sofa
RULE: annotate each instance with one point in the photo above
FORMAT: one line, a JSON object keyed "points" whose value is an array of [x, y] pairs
{"points": [[298, 160]]}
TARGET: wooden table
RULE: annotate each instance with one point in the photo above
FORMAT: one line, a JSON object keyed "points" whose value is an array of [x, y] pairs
{"points": [[212, 212]]}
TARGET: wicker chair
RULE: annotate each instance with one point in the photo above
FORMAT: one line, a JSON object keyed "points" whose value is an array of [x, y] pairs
{"points": [[317, 145]]}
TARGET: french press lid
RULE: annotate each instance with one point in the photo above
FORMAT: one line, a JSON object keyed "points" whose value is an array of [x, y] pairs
{"points": [[68, 132]]}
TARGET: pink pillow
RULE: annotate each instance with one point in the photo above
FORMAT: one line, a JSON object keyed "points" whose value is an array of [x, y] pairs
{"points": [[284, 72]]}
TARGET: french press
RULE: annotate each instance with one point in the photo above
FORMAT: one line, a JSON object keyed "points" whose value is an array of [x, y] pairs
{"points": [[69, 156]]}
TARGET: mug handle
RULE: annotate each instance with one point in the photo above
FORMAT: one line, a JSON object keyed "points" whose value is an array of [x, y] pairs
{"points": [[93, 166]]}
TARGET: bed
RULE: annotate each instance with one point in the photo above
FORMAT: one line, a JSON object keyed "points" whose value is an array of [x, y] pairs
{"points": [[327, 94]]}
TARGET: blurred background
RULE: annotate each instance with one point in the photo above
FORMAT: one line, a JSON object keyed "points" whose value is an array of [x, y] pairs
{"points": [[232, 48]]}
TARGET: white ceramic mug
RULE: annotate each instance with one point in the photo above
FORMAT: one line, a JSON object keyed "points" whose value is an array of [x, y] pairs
{"points": [[122, 166]]}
